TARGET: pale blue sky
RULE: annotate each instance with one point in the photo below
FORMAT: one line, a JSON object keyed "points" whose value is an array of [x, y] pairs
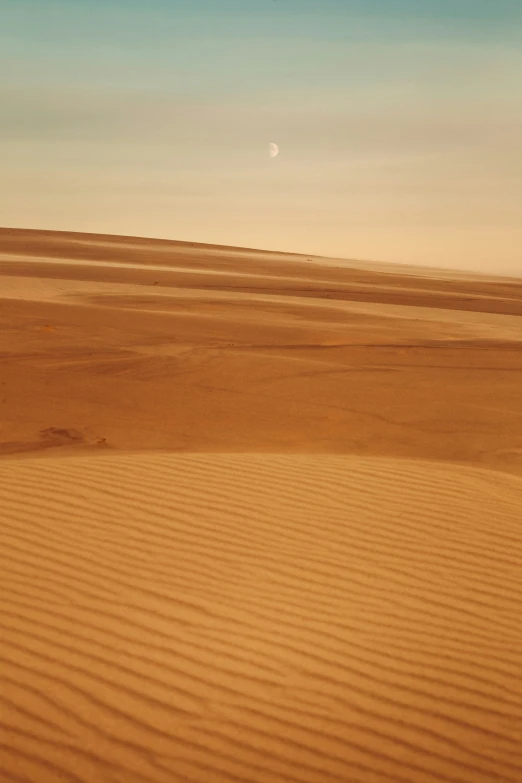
{"points": [[399, 124]]}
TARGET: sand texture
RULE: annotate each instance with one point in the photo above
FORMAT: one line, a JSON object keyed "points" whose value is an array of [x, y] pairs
{"points": [[260, 517]]}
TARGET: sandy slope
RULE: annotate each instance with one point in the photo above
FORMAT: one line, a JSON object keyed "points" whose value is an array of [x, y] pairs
{"points": [[260, 618], [252, 352], [259, 517]]}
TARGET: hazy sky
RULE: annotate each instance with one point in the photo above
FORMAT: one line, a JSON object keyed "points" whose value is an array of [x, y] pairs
{"points": [[399, 124]]}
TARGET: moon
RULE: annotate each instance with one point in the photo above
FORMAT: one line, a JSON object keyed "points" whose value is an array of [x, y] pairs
{"points": [[273, 149]]}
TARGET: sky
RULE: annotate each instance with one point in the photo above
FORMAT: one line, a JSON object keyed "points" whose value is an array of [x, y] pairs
{"points": [[399, 124]]}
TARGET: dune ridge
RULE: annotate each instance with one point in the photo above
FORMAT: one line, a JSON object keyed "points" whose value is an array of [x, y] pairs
{"points": [[260, 618]]}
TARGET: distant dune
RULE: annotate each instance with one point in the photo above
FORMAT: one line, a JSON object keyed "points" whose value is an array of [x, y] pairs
{"points": [[260, 517]]}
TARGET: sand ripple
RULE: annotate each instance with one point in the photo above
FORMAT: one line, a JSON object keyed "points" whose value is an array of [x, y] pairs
{"points": [[259, 618]]}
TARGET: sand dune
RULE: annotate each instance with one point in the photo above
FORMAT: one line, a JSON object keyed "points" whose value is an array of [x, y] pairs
{"points": [[260, 517], [324, 359], [260, 618]]}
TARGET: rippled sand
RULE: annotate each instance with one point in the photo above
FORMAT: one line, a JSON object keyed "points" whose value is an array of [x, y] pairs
{"points": [[260, 517]]}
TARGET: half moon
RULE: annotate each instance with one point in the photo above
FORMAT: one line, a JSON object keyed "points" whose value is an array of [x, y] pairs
{"points": [[273, 149]]}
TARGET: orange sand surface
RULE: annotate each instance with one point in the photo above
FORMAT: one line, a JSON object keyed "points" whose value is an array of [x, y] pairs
{"points": [[260, 517]]}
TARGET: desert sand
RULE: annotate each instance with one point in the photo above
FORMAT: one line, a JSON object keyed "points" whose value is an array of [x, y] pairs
{"points": [[261, 517]]}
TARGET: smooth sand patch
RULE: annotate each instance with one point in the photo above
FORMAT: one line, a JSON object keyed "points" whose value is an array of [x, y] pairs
{"points": [[175, 366]]}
